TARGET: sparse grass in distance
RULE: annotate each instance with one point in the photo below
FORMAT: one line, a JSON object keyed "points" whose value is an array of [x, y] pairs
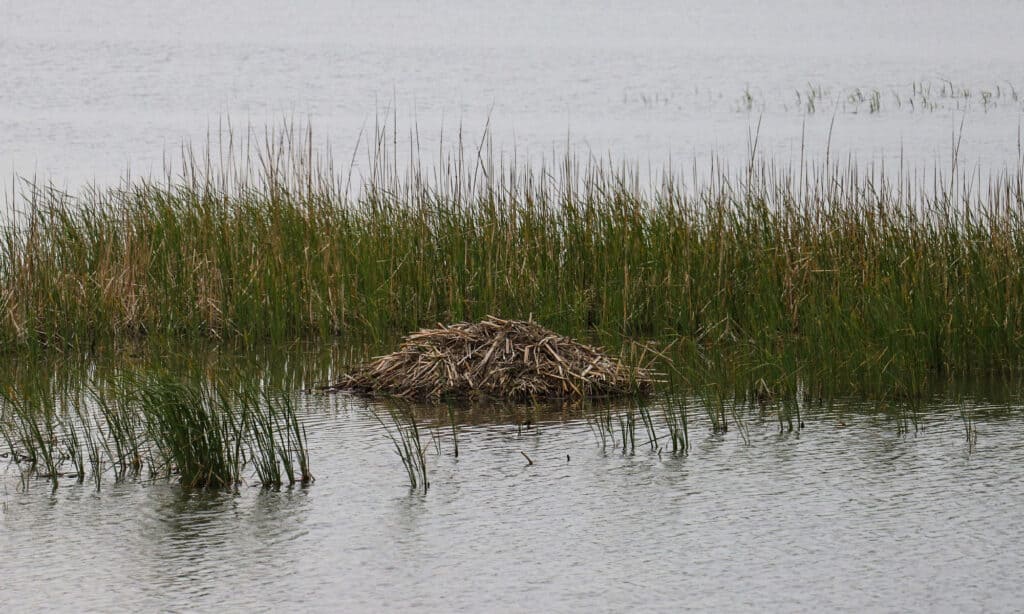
{"points": [[925, 96]]}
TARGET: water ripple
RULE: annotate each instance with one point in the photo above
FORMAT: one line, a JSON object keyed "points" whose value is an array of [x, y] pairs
{"points": [[855, 518]]}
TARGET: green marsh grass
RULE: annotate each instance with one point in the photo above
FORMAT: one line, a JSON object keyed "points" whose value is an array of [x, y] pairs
{"points": [[277, 441], [677, 422], [398, 419], [834, 277], [31, 429], [200, 433], [616, 424], [970, 428], [125, 446], [195, 434], [454, 424]]}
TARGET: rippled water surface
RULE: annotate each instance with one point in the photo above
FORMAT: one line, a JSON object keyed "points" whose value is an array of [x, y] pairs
{"points": [[849, 515], [89, 89]]}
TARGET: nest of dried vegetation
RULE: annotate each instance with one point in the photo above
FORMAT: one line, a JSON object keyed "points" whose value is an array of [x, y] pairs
{"points": [[508, 359]]}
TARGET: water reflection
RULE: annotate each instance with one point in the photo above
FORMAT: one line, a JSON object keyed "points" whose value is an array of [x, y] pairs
{"points": [[729, 521], [863, 508]]}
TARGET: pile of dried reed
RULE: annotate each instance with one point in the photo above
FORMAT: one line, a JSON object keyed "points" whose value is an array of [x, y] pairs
{"points": [[509, 359]]}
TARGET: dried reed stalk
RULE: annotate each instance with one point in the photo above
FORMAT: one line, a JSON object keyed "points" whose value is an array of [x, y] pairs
{"points": [[509, 359]]}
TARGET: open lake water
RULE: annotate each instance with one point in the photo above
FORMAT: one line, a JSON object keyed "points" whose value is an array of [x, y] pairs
{"points": [[88, 91], [853, 513], [850, 514]]}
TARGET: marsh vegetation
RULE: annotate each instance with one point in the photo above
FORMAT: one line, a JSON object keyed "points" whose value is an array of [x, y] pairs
{"points": [[768, 287], [145, 426], [834, 275]]}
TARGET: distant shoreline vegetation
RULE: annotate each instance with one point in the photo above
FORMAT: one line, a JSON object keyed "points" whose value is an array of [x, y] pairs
{"points": [[922, 96], [817, 272]]}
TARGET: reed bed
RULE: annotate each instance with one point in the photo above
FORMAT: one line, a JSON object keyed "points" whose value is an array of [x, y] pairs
{"points": [[830, 275], [496, 358]]}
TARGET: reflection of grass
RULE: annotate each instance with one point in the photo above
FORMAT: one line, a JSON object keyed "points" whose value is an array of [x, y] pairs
{"points": [[199, 433]]}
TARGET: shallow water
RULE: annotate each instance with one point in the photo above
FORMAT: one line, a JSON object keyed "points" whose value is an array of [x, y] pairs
{"points": [[852, 514], [90, 89], [847, 515]]}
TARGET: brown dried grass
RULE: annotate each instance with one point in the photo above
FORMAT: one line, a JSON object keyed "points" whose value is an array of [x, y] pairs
{"points": [[508, 359]]}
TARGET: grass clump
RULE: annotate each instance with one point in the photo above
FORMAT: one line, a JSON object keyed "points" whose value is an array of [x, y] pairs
{"points": [[277, 440], [200, 433], [403, 430], [29, 426], [206, 434], [195, 432]]}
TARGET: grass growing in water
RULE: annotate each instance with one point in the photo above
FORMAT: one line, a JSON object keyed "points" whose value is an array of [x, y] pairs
{"points": [[678, 424], [833, 276], [197, 432], [399, 422], [277, 439], [29, 426]]}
